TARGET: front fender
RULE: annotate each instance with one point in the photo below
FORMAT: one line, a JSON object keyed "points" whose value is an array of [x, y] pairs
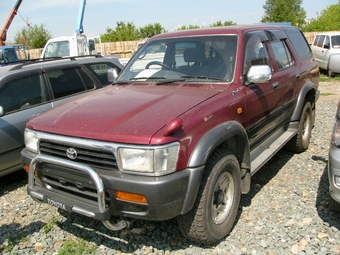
{"points": [[219, 135]]}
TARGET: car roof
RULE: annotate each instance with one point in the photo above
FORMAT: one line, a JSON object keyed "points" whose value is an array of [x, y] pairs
{"points": [[237, 29], [65, 62]]}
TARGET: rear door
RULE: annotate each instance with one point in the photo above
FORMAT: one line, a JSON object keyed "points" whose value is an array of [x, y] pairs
{"points": [[22, 97]]}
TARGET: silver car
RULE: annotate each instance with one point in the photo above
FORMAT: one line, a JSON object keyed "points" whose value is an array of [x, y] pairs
{"points": [[334, 165], [29, 89], [326, 50]]}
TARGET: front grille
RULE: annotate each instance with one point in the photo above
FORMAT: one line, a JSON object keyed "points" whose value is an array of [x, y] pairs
{"points": [[89, 156]]}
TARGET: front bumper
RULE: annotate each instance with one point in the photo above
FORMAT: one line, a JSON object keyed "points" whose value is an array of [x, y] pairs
{"points": [[334, 172], [79, 188]]}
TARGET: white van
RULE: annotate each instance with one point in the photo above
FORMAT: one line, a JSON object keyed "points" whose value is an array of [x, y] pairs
{"points": [[326, 50]]}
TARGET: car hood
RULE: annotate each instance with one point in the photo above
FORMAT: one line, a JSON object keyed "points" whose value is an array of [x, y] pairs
{"points": [[129, 114]]}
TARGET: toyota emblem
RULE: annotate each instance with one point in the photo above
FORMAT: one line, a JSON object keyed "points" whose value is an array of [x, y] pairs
{"points": [[71, 153]]}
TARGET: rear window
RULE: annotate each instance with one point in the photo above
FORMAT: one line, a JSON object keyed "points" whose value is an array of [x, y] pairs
{"points": [[299, 42]]}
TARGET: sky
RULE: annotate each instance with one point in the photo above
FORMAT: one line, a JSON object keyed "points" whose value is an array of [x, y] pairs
{"points": [[59, 17]]}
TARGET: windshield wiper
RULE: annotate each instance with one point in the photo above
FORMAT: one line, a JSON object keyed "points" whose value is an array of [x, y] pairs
{"points": [[146, 78], [201, 77], [120, 82], [169, 81]]}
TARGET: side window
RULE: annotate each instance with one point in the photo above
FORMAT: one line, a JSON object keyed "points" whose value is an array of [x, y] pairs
{"points": [[256, 52], [89, 83], [327, 43], [100, 70], [65, 82], [320, 41], [282, 55], [335, 41], [316, 40], [299, 42], [22, 92]]}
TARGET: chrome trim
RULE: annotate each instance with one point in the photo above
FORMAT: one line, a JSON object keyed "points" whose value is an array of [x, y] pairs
{"points": [[81, 167], [57, 161], [105, 146]]}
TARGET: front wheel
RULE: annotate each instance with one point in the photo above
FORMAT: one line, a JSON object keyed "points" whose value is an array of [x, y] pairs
{"points": [[300, 142], [217, 202]]}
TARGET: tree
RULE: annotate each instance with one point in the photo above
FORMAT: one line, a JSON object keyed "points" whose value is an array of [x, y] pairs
{"points": [[188, 27], [284, 11], [328, 20], [122, 32], [33, 36], [220, 24], [151, 30]]}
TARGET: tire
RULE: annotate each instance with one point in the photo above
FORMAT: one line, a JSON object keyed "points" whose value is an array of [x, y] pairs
{"points": [[330, 73], [300, 142], [333, 205], [217, 201]]}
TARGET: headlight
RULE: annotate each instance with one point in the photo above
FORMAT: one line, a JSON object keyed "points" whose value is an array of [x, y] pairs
{"points": [[152, 160], [31, 140]]}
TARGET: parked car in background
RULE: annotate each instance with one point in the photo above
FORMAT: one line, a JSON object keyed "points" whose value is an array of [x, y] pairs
{"points": [[326, 50], [31, 88], [334, 165]]}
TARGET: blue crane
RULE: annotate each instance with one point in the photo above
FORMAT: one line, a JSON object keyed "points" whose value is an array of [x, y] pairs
{"points": [[79, 27]]}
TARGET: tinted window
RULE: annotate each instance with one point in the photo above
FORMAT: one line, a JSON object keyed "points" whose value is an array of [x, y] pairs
{"points": [[256, 52], [65, 82], [282, 55], [22, 93], [299, 42]]}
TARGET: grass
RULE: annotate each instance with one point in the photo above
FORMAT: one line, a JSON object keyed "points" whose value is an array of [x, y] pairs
{"points": [[324, 77], [49, 225], [78, 248]]}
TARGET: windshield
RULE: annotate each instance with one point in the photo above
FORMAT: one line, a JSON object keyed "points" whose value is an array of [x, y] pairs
{"points": [[195, 58], [57, 49]]}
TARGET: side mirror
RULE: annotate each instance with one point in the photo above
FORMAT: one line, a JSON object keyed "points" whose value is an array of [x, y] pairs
{"points": [[259, 74], [326, 46], [112, 74], [2, 111]]}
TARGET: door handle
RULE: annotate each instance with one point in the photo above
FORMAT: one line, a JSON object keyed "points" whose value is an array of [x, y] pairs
{"points": [[298, 76], [276, 85]]}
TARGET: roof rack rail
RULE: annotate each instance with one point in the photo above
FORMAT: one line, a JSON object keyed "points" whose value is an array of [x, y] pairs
{"points": [[42, 60]]}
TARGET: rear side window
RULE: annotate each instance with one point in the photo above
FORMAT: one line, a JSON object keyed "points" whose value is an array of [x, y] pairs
{"points": [[299, 42], [22, 93], [65, 82]]}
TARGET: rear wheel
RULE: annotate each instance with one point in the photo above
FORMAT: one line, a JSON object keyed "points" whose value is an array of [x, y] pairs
{"points": [[217, 202], [300, 142]]}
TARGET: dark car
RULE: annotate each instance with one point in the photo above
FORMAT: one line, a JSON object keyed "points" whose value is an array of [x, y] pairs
{"points": [[29, 89]]}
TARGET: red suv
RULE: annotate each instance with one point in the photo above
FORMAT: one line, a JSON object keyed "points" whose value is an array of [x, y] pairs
{"points": [[192, 116]]}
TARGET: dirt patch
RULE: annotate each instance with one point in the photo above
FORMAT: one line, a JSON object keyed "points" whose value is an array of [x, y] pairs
{"points": [[329, 90]]}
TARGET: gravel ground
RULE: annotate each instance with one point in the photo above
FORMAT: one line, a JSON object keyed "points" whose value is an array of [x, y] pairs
{"points": [[286, 212]]}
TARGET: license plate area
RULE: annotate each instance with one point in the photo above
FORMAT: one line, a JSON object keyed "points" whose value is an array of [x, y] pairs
{"points": [[56, 203]]}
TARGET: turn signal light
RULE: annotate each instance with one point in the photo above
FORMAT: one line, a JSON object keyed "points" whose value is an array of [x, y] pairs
{"points": [[27, 168], [132, 197]]}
